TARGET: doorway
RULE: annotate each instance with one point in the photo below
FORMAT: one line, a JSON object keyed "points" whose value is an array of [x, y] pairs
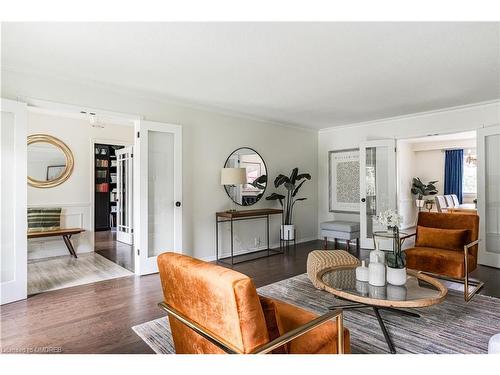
{"points": [[113, 203], [153, 199], [425, 158]]}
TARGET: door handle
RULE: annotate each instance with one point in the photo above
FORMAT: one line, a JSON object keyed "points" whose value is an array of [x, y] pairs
{"points": [[363, 200], [177, 204]]}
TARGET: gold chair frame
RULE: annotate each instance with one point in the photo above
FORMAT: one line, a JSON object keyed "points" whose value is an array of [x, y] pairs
{"points": [[465, 280], [270, 346]]}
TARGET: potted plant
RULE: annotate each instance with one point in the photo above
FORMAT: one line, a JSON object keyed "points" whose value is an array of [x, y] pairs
{"points": [[395, 260], [429, 203], [421, 190], [292, 185]]}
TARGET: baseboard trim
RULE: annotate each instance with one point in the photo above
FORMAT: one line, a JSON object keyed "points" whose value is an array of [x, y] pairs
{"points": [[211, 258]]}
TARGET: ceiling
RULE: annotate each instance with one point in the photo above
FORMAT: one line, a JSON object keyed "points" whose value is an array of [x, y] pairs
{"points": [[314, 75]]}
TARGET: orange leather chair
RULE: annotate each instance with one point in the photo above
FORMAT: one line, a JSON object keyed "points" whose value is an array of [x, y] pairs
{"points": [[214, 309], [446, 245]]}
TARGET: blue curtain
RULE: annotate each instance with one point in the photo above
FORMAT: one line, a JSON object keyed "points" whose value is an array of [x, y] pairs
{"points": [[453, 172]]}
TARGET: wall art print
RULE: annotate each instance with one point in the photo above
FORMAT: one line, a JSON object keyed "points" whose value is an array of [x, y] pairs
{"points": [[344, 180]]}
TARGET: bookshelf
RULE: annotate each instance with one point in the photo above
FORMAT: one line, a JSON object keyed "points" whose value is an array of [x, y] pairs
{"points": [[105, 186]]}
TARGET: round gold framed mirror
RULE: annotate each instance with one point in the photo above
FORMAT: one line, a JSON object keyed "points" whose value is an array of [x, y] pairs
{"points": [[50, 161]]}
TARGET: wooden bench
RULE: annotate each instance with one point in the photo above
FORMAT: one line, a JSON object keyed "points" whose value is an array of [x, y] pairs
{"points": [[65, 233]]}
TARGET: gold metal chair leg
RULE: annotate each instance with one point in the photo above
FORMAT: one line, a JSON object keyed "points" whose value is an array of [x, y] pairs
{"points": [[340, 333], [476, 283]]}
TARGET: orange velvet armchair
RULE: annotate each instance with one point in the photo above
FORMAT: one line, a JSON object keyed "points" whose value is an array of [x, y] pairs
{"points": [[213, 309], [446, 245]]}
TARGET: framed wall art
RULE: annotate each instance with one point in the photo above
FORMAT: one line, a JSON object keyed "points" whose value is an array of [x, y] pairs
{"points": [[343, 168]]}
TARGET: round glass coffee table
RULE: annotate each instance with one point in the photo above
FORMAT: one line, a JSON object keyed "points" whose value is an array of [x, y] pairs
{"points": [[419, 291]]}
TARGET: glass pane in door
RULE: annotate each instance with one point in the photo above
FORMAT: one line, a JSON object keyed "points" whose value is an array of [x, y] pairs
{"points": [[377, 177], [123, 211], [492, 190], [160, 192], [7, 204]]}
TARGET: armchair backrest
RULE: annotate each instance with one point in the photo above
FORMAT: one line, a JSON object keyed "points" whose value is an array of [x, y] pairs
{"points": [[222, 301], [452, 221]]}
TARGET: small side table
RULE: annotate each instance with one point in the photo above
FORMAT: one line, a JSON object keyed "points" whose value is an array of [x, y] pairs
{"points": [[388, 235], [231, 217]]}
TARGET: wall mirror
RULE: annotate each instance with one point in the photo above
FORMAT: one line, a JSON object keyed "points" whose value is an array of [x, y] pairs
{"points": [[50, 161], [256, 176]]}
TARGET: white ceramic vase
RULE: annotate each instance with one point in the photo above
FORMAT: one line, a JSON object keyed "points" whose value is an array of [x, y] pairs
{"points": [[420, 203], [288, 232], [376, 273], [396, 276], [362, 272], [377, 253]]}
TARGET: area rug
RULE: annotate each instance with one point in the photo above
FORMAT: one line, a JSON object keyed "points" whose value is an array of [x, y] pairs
{"points": [[452, 326], [65, 271]]}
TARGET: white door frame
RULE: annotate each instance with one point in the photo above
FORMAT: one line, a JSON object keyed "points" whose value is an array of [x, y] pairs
{"points": [[484, 257], [129, 176], [17, 288], [143, 264]]}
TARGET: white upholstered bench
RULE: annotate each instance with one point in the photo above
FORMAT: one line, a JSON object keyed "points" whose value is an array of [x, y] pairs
{"points": [[344, 230]]}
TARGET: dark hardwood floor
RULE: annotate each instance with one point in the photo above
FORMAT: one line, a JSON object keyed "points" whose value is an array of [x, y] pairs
{"points": [[105, 244], [97, 318]]}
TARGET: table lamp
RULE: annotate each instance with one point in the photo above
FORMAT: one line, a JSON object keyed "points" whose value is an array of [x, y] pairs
{"points": [[233, 177]]}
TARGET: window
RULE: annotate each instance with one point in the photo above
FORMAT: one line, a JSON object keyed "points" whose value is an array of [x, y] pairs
{"points": [[469, 177]]}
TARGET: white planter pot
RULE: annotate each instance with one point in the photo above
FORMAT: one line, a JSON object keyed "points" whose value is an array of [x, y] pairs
{"points": [[420, 203], [396, 276], [288, 232]]}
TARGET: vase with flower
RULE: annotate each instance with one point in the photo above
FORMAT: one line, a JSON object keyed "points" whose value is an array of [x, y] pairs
{"points": [[395, 260]]}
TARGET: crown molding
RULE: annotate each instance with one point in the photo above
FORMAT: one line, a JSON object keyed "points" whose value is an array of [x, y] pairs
{"points": [[153, 95], [413, 115]]}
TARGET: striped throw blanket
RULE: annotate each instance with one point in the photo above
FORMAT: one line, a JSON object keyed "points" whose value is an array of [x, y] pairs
{"points": [[44, 219]]}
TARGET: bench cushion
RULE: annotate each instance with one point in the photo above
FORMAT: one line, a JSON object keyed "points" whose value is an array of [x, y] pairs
{"points": [[340, 226]]}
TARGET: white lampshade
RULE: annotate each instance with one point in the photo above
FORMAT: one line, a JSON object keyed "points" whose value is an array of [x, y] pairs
{"points": [[233, 176]]}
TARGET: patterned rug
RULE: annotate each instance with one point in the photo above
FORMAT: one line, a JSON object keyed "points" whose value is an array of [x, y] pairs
{"points": [[65, 271], [452, 326]]}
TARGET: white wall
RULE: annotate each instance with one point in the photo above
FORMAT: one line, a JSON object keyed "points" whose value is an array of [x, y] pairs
{"points": [[208, 139], [75, 194], [438, 122]]}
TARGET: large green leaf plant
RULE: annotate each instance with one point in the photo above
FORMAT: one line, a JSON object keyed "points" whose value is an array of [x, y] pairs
{"points": [[292, 185]]}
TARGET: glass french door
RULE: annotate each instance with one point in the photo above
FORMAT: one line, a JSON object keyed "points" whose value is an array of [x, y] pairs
{"points": [[157, 193], [13, 201], [488, 195], [124, 200], [377, 162]]}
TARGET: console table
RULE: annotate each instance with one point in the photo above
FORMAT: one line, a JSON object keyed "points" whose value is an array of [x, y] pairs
{"points": [[231, 217]]}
